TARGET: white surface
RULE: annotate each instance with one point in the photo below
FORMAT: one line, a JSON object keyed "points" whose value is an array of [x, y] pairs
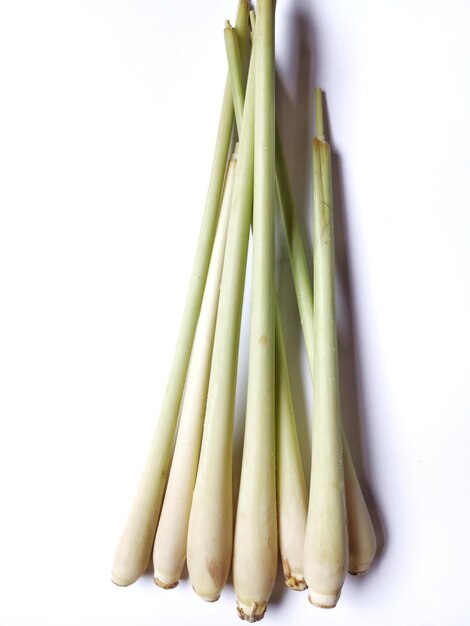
{"points": [[108, 113]]}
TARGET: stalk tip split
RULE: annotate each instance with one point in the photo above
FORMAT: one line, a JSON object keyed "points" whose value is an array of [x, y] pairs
{"points": [[296, 584], [251, 613], [293, 580]]}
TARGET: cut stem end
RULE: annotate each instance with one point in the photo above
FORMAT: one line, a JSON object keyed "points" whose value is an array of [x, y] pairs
{"points": [[294, 583], [323, 601], [359, 572], [253, 613], [165, 585]]}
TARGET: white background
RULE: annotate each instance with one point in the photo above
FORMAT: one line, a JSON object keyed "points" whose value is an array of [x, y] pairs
{"points": [[108, 113]]}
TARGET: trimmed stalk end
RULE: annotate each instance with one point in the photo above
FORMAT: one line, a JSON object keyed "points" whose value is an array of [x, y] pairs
{"points": [[251, 613], [228, 26], [296, 583], [322, 600], [164, 582], [359, 571]]}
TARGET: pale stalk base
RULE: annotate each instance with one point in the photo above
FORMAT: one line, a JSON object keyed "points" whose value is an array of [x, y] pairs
{"points": [[322, 600], [251, 613], [210, 536], [163, 581], [361, 533]]}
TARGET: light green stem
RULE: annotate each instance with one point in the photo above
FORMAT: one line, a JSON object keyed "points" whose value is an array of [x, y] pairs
{"points": [[298, 259], [235, 72]]}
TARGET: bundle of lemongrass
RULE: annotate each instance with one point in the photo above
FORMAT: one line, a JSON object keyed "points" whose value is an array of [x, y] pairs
{"points": [[189, 516]]}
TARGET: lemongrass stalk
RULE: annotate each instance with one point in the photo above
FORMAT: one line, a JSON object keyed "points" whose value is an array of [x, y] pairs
{"points": [[361, 534], [291, 489], [169, 551], [255, 542], [325, 550], [135, 545], [210, 533], [298, 259]]}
